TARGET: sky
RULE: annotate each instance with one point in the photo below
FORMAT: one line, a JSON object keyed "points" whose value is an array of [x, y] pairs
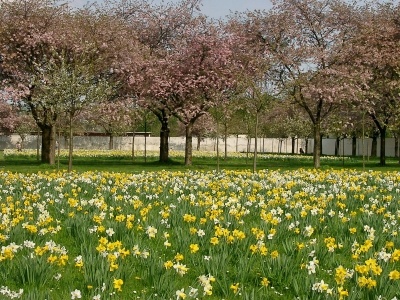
{"points": [[212, 8]]}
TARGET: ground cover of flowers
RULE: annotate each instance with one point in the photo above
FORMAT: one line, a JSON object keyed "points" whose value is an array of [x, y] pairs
{"points": [[173, 154], [303, 234]]}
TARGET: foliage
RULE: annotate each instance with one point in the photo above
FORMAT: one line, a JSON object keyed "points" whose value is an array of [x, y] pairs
{"points": [[8, 116]]}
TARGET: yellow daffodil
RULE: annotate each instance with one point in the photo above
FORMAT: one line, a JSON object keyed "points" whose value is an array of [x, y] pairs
{"points": [[394, 275], [118, 284], [265, 282], [194, 248], [234, 288]]}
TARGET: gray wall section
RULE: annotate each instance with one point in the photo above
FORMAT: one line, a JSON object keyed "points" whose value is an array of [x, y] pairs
{"points": [[178, 143]]}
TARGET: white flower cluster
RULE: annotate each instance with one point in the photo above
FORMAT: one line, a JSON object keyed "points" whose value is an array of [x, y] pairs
{"points": [[11, 294]]}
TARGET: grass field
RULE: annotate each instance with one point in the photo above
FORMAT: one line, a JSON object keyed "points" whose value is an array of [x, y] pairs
{"points": [[117, 229], [121, 161]]}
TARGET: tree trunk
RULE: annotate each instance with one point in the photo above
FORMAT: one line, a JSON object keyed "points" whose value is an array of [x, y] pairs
{"points": [[382, 156], [320, 145], [293, 145], [133, 146], [48, 144], [374, 146], [263, 142], [317, 145], [337, 143], [188, 144], [198, 142], [48, 154], [217, 147], [306, 146], [66, 143], [237, 143], [396, 146], [354, 146], [255, 145], [71, 146], [164, 136], [58, 151], [38, 146], [226, 140], [248, 148], [111, 142], [22, 141]]}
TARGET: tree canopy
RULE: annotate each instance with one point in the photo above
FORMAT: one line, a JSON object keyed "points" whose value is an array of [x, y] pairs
{"points": [[311, 58]]}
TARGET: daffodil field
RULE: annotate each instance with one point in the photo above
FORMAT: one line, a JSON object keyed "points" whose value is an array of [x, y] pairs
{"points": [[172, 153], [305, 234]]}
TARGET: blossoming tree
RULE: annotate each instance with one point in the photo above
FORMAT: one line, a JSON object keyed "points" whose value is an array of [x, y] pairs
{"points": [[304, 39]]}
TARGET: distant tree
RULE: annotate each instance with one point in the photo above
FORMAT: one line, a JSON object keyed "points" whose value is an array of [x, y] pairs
{"points": [[303, 39], [31, 32], [156, 28], [28, 33], [8, 116], [204, 127], [192, 76], [113, 117], [136, 114], [256, 99], [69, 89], [298, 127], [374, 69], [223, 114], [24, 126], [247, 125], [218, 116]]}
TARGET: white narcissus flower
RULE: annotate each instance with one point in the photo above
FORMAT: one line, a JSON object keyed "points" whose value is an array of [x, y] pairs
{"points": [[76, 294], [110, 232], [180, 294]]}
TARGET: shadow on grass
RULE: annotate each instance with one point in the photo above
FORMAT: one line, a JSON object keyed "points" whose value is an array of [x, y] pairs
{"points": [[121, 161]]}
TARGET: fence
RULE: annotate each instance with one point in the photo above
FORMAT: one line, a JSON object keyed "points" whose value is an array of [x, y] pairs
{"points": [[234, 144]]}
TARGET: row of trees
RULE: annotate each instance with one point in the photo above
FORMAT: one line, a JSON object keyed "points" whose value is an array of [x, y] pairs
{"points": [[303, 68]]}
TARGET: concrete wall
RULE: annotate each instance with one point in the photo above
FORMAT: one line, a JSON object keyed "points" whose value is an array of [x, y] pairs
{"points": [[178, 143]]}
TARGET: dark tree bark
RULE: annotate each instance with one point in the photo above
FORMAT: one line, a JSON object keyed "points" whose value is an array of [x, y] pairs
{"points": [[354, 146], [382, 156], [46, 120], [374, 146], [226, 140], [317, 145], [111, 142], [164, 137], [48, 143], [163, 116], [306, 147], [133, 146], [189, 144], [293, 145], [337, 143], [198, 142]]}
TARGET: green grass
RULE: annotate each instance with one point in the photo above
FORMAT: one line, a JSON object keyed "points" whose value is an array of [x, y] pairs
{"points": [[291, 228], [294, 228], [22, 164]]}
